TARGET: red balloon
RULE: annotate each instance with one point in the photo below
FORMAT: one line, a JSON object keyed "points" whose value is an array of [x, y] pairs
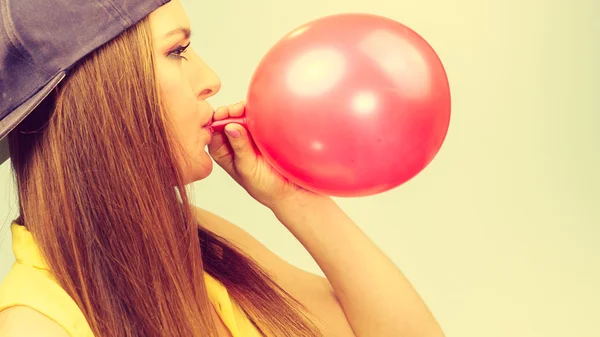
{"points": [[349, 105]]}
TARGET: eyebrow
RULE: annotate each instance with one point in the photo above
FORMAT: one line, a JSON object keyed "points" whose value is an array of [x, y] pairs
{"points": [[181, 30]]}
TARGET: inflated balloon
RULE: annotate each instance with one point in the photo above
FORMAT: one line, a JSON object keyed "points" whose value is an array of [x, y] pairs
{"points": [[349, 105]]}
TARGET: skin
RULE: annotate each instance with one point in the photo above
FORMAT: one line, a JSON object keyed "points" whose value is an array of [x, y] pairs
{"points": [[362, 294], [185, 83]]}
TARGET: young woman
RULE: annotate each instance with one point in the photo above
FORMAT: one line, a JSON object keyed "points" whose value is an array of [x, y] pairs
{"points": [[107, 243]]}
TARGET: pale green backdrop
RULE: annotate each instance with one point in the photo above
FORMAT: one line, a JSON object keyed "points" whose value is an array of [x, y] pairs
{"points": [[499, 234]]}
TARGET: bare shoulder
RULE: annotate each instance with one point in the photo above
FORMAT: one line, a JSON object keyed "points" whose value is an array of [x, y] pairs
{"points": [[291, 278], [313, 291], [21, 321]]}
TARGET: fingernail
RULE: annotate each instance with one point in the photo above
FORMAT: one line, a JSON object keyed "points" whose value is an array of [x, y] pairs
{"points": [[232, 133]]}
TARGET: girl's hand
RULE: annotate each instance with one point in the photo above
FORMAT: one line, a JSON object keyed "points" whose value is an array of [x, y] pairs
{"points": [[235, 151]]}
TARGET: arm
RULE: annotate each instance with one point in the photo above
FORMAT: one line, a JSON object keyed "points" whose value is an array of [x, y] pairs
{"points": [[373, 294], [376, 297]]}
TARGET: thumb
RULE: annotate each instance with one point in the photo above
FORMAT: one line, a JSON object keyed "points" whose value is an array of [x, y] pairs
{"points": [[244, 154]]}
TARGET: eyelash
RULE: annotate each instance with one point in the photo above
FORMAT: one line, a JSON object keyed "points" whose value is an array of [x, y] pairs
{"points": [[180, 50]]}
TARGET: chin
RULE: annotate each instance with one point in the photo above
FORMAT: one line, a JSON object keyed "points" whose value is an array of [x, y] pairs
{"points": [[200, 169]]}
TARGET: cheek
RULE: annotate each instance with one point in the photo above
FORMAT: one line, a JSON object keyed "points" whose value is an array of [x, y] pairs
{"points": [[178, 97], [182, 108], [174, 88]]}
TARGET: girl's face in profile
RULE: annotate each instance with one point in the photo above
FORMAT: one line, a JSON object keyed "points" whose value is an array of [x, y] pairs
{"points": [[185, 82]]}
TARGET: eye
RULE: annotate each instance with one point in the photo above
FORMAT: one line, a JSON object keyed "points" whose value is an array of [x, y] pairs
{"points": [[176, 53]]}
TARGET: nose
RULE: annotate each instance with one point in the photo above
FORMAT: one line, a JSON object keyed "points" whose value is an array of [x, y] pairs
{"points": [[211, 85], [206, 82]]}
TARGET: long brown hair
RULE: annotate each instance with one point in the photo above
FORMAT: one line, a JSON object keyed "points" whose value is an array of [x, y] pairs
{"points": [[102, 194]]}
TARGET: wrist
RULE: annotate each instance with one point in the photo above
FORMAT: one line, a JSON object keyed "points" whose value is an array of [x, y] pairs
{"points": [[301, 203]]}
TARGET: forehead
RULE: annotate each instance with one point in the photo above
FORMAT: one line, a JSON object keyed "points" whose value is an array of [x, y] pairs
{"points": [[167, 18]]}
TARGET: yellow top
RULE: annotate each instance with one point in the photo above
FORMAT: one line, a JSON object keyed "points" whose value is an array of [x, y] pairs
{"points": [[30, 283]]}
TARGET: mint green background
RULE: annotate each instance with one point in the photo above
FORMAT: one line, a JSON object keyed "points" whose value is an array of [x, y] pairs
{"points": [[499, 234]]}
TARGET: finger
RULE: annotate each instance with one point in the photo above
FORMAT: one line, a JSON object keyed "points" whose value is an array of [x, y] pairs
{"points": [[237, 110], [222, 112], [218, 145], [222, 153], [244, 153]]}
